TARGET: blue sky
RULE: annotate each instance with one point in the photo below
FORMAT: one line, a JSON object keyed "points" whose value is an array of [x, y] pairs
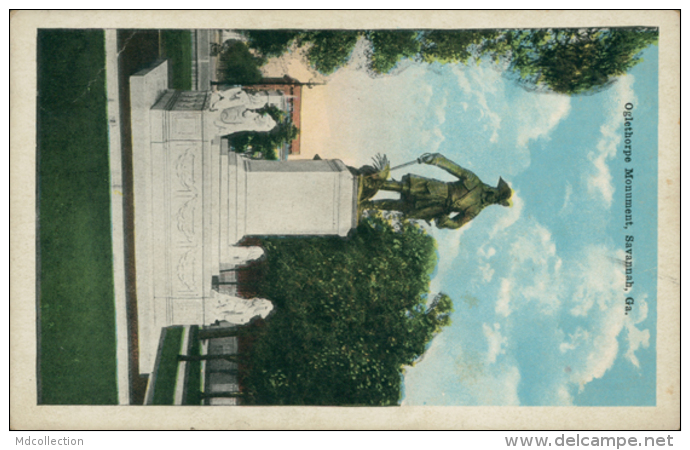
{"points": [[538, 288]]}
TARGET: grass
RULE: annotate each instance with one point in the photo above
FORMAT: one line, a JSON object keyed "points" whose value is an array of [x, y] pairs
{"points": [[77, 342], [176, 45], [194, 370], [166, 375], [166, 372]]}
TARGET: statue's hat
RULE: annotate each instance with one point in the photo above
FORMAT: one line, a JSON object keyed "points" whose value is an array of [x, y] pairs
{"points": [[504, 192]]}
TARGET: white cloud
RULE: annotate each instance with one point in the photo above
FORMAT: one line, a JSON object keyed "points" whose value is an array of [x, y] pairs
{"points": [[495, 341], [483, 383], [586, 290], [449, 241], [485, 268], [601, 279], [598, 299], [495, 123], [563, 396], [503, 390], [531, 283], [583, 293], [539, 114], [533, 245], [513, 214], [599, 181], [528, 264], [637, 338], [470, 381], [478, 83], [567, 205], [431, 139], [440, 110], [576, 339], [486, 253], [503, 303], [487, 272]]}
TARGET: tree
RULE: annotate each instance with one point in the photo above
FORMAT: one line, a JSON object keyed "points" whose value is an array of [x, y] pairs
{"points": [[271, 43], [454, 46], [326, 50], [329, 50], [567, 61], [389, 47], [350, 313], [570, 61], [237, 65]]}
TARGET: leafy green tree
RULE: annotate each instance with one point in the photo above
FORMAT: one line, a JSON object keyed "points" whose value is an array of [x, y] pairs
{"points": [[567, 61], [329, 50], [271, 43], [388, 47], [350, 313], [454, 46], [573, 61], [326, 50], [237, 65]]}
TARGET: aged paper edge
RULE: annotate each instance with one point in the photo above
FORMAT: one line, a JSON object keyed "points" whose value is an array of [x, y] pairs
{"points": [[26, 415]]}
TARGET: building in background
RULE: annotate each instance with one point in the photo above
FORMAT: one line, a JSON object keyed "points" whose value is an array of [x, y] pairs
{"points": [[290, 101]]}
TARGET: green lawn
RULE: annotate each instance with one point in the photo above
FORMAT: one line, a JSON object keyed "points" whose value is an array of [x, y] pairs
{"points": [[168, 365], [194, 369], [77, 343], [176, 45], [77, 339], [166, 373]]}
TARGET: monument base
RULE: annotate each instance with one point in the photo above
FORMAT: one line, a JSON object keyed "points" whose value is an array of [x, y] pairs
{"points": [[194, 200]]}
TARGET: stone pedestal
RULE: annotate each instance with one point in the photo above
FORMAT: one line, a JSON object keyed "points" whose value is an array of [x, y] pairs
{"points": [[288, 198], [194, 201]]}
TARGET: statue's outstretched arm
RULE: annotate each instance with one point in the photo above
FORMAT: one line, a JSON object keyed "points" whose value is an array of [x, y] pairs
{"points": [[437, 159], [226, 99], [231, 92]]}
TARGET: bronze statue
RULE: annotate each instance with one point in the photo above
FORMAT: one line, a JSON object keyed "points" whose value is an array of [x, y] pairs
{"points": [[429, 199]]}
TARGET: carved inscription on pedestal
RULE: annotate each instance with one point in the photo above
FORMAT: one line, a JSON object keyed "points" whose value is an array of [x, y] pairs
{"points": [[186, 218]]}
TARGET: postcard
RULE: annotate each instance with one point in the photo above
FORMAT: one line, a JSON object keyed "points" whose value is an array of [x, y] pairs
{"points": [[408, 220]]}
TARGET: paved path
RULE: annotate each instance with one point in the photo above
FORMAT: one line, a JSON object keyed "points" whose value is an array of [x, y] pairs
{"points": [[137, 49], [202, 63], [131, 385], [116, 215]]}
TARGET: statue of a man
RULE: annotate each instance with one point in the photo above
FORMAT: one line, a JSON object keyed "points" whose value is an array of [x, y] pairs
{"points": [[429, 199], [236, 110], [234, 120], [237, 97], [236, 310]]}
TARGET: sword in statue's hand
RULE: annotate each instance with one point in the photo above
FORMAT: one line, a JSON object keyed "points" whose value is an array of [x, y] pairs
{"points": [[422, 159], [419, 160]]}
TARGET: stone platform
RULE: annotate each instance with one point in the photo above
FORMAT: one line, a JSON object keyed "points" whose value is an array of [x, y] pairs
{"points": [[194, 201]]}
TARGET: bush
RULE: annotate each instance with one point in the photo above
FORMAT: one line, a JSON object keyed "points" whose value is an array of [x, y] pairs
{"points": [[265, 145], [350, 313]]}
